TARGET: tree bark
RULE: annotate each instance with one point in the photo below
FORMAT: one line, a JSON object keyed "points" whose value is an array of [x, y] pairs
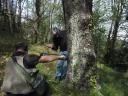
{"points": [[38, 15], [20, 12], [0, 7], [80, 45], [112, 36]]}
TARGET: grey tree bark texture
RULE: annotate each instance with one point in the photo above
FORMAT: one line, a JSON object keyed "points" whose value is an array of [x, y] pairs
{"points": [[82, 65]]}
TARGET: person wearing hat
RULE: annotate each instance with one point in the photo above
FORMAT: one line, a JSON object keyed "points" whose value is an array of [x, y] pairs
{"points": [[14, 84]]}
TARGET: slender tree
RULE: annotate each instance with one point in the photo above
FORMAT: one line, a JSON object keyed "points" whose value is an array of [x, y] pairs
{"points": [[20, 12], [0, 7], [117, 9], [37, 21]]}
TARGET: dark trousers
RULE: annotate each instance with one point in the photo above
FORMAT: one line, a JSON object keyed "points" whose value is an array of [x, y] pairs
{"points": [[46, 92], [30, 94]]}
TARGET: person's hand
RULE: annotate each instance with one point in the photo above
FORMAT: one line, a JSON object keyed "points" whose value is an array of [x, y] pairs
{"points": [[63, 57], [49, 45]]}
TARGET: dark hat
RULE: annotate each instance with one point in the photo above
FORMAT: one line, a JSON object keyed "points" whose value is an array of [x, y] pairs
{"points": [[22, 45], [55, 29]]}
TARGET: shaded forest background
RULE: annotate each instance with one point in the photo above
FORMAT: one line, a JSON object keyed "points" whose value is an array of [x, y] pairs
{"points": [[32, 21]]}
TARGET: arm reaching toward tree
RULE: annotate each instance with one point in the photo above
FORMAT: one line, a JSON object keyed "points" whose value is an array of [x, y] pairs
{"points": [[30, 61], [50, 58]]}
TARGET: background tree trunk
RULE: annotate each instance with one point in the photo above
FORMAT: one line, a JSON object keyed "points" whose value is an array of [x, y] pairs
{"points": [[11, 30], [19, 17], [38, 18], [112, 36]]}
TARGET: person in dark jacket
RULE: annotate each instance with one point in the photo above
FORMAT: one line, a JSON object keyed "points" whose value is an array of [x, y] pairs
{"points": [[14, 84], [60, 42]]}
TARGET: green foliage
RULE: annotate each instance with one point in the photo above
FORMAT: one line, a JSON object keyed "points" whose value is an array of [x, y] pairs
{"points": [[98, 32], [51, 14], [114, 11], [93, 81], [45, 30], [112, 82], [95, 92], [59, 19], [7, 42]]}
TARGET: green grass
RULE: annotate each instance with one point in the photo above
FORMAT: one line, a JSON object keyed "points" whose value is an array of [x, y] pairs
{"points": [[112, 83], [56, 88]]}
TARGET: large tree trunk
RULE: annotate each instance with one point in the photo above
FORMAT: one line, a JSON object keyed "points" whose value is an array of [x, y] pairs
{"points": [[81, 50]]}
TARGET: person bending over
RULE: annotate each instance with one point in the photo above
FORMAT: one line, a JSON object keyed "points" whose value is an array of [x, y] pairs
{"points": [[13, 83]]}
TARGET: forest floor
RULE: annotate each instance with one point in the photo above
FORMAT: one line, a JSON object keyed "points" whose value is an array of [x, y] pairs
{"points": [[111, 82]]}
